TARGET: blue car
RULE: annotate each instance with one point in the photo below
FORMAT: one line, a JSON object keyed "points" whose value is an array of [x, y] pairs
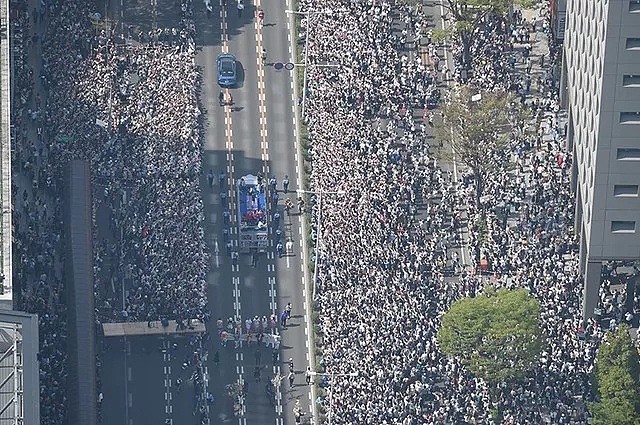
{"points": [[227, 76]]}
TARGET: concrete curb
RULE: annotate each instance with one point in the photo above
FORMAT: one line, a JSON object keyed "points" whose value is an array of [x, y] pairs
{"points": [[308, 302]]}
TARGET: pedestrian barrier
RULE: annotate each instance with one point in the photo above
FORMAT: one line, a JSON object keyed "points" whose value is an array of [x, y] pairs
{"points": [[270, 340], [152, 328]]}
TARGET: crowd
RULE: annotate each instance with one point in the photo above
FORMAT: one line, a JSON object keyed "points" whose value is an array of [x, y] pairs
{"points": [[132, 112], [387, 242], [615, 304], [37, 216]]}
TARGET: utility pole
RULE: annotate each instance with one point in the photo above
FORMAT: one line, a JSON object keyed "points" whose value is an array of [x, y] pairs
{"points": [[154, 24], [308, 14], [332, 376], [318, 232]]}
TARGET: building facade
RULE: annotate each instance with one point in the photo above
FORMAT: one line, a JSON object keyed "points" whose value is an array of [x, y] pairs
{"points": [[19, 368], [6, 225], [601, 90]]}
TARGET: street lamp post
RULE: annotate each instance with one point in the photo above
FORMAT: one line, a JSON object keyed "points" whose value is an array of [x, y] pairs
{"points": [[308, 14], [321, 65], [331, 376], [318, 233], [304, 72], [310, 295]]}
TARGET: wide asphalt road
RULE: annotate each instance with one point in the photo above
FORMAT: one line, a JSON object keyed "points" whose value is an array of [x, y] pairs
{"points": [[255, 134]]}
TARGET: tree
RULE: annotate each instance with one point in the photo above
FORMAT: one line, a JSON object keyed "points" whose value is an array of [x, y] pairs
{"points": [[614, 411], [477, 131], [617, 376], [496, 335], [468, 15]]}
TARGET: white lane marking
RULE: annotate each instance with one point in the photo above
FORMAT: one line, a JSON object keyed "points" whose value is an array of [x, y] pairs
{"points": [[216, 250], [272, 292], [236, 293]]}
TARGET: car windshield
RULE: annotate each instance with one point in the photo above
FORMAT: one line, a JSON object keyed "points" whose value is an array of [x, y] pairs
{"points": [[227, 67]]}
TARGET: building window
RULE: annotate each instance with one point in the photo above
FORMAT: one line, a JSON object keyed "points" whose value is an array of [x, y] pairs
{"points": [[631, 80], [633, 43], [625, 190], [628, 154], [634, 6], [629, 117], [623, 227]]}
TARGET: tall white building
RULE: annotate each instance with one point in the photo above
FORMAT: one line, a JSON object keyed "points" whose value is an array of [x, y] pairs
{"points": [[601, 89]]}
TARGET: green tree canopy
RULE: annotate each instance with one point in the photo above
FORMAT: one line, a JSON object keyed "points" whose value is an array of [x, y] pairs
{"points": [[496, 335], [617, 376], [614, 411], [476, 130], [469, 14]]}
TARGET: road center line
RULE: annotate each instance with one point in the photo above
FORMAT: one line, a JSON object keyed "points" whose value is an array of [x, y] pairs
{"points": [[262, 106]]}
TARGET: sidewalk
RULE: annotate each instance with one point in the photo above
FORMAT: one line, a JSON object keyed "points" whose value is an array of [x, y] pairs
{"points": [[539, 55], [535, 73], [549, 126], [39, 199], [37, 224]]}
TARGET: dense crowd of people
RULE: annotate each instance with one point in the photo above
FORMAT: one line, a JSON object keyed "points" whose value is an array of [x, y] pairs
{"points": [[386, 244], [132, 112], [37, 215]]}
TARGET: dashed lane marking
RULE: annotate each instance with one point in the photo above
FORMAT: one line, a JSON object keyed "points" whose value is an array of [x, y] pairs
{"points": [[262, 108]]}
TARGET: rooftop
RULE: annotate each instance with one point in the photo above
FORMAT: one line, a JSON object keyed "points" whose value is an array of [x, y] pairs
{"points": [[19, 376]]}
